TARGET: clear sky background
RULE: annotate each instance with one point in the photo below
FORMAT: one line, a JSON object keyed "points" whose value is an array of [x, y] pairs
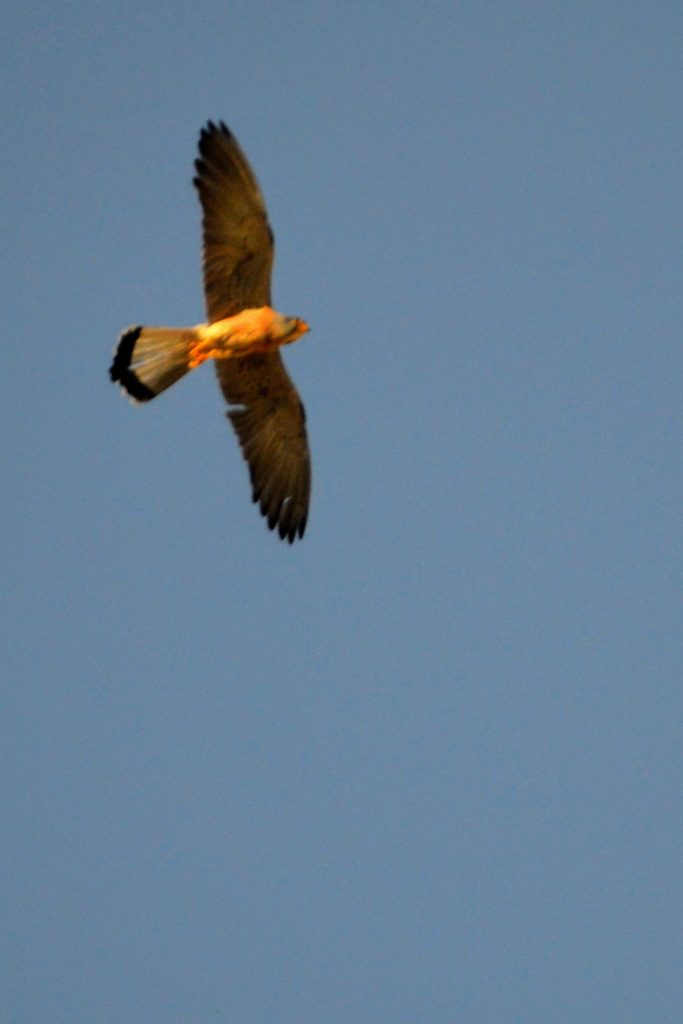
{"points": [[425, 765]]}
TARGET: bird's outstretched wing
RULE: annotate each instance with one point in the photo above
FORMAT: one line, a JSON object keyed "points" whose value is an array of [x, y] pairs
{"points": [[270, 423], [268, 416], [237, 240]]}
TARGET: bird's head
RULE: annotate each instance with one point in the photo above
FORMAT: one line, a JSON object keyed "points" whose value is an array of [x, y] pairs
{"points": [[290, 328]]}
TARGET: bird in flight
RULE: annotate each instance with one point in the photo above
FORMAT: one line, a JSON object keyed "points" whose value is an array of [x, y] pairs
{"points": [[242, 336]]}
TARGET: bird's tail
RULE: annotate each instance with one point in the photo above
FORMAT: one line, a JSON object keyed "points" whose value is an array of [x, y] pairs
{"points": [[149, 359]]}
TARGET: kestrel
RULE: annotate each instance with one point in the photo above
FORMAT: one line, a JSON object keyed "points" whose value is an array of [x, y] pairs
{"points": [[242, 335]]}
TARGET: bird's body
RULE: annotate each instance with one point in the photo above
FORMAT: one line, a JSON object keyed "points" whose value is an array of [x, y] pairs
{"points": [[242, 334], [247, 333]]}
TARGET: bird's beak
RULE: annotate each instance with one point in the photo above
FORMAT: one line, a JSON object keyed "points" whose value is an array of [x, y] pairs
{"points": [[300, 327]]}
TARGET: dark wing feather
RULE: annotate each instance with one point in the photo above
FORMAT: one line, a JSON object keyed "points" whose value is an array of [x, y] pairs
{"points": [[238, 242], [270, 424]]}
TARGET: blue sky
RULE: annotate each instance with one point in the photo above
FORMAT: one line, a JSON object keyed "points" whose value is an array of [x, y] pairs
{"points": [[426, 764]]}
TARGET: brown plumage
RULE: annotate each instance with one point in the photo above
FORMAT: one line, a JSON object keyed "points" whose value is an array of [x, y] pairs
{"points": [[242, 335]]}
